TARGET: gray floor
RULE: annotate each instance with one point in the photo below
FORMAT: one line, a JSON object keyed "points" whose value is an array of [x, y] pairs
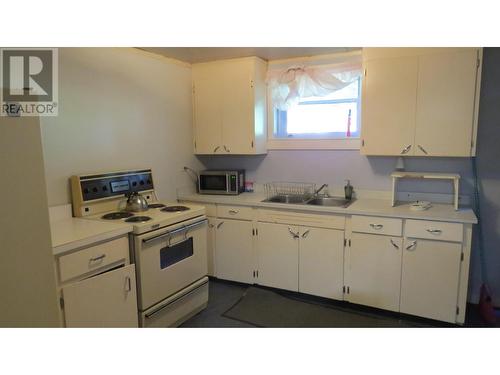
{"points": [[223, 295]]}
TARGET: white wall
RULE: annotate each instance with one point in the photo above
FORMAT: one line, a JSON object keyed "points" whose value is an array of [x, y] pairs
{"points": [[119, 108]]}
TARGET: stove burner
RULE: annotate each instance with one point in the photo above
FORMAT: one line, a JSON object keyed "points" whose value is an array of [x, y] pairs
{"points": [[156, 205], [137, 219], [117, 215], [175, 208]]}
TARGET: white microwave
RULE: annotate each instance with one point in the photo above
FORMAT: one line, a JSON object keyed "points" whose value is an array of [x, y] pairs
{"points": [[221, 182]]}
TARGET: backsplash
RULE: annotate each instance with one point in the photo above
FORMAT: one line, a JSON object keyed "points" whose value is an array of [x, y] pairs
{"points": [[333, 167]]}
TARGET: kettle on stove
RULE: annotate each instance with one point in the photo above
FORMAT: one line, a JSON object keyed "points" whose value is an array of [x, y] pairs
{"points": [[136, 202]]}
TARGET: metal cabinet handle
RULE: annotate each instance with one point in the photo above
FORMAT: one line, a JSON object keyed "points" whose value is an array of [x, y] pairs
{"points": [[406, 149], [220, 224], [422, 149], [394, 244], [294, 235], [215, 149], [410, 246], [376, 226], [304, 235], [128, 284], [233, 212], [100, 257], [434, 231]]}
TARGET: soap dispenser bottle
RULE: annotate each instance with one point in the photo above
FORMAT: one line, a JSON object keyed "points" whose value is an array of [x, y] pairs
{"points": [[348, 189]]}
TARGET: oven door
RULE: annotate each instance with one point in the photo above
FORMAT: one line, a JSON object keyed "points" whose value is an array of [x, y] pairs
{"points": [[170, 259], [214, 183]]}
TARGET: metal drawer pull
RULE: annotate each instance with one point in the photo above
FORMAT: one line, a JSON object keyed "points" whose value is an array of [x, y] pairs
{"points": [[410, 246], [422, 149], [215, 149], [434, 231], [220, 224], [179, 230], [394, 244], [406, 149], [304, 235], [100, 257], [376, 226], [233, 212], [294, 235], [128, 284]]}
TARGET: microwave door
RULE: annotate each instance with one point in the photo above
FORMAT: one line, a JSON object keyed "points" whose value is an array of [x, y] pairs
{"points": [[213, 184]]}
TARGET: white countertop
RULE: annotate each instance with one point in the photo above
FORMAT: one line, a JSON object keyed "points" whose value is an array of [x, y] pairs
{"points": [[362, 206], [69, 233]]}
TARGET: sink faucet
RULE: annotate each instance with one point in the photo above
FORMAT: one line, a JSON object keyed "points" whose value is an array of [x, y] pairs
{"points": [[316, 193]]}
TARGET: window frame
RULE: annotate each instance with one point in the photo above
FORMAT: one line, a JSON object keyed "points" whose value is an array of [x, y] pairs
{"points": [[281, 132], [314, 142]]}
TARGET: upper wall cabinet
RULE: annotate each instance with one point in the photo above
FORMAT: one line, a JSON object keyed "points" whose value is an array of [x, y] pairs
{"points": [[229, 101], [420, 101]]}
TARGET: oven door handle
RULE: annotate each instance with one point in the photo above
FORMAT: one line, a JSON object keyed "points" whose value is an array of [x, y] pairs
{"points": [[179, 230]]}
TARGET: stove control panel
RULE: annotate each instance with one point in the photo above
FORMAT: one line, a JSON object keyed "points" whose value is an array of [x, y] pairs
{"points": [[98, 186]]}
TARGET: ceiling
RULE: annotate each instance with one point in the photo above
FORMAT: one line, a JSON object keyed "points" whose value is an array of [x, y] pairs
{"points": [[203, 54]]}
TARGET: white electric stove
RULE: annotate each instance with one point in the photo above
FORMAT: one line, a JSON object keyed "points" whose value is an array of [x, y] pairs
{"points": [[168, 243]]}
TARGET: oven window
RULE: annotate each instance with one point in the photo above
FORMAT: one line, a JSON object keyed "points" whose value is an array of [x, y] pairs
{"points": [[175, 253], [208, 182]]}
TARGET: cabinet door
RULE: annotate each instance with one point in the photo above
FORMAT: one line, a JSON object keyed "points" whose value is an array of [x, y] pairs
{"points": [[445, 103], [211, 246], [234, 256], [321, 257], [106, 300], [278, 256], [429, 279], [374, 274], [389, 96], [207, 109], [237, 107]]}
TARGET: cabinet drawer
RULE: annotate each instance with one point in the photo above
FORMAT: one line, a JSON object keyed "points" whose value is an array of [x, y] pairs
{"points": [[434, 230], [93, 258], [377, 225], [305, 219], [235, 212]]}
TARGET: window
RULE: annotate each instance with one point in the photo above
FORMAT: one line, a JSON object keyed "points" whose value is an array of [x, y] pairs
{"points": [[335, 116]]}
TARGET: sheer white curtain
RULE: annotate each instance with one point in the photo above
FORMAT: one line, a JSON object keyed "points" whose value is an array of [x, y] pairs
{"points": [[288, 83]]}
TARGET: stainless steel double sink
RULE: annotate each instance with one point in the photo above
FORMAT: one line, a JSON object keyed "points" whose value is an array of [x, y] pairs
{"points": [[312, 201]]}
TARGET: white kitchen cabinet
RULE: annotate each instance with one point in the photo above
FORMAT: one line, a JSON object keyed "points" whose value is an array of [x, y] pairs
{"points": [[207, 107], [234, 256], [388, 106], [321, 262], [430, 279], [229, 105], [211, 246], [420, 101], [445, 103], [278, 256], [374, 270], [105, 300]]}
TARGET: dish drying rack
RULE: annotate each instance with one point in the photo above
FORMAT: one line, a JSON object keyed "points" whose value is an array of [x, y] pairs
{"points": [[294, 189]]}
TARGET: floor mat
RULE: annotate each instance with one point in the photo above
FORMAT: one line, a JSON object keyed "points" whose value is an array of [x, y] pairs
{"points": [[266, 308]]}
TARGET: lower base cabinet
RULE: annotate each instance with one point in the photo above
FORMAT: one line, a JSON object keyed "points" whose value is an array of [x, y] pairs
{"points": [[321, 262], [430, 279], [374, 274], [278, 257], [105, 300], [234, 256]]}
